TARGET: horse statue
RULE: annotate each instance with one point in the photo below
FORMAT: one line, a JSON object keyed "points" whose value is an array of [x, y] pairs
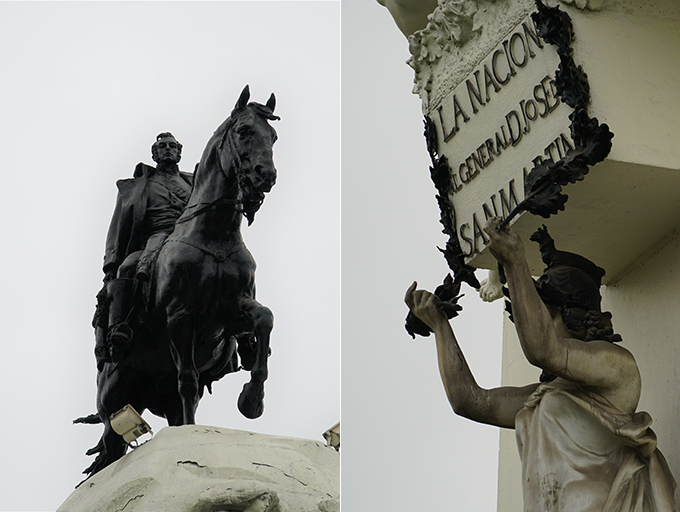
{"points": [[199, 316]]}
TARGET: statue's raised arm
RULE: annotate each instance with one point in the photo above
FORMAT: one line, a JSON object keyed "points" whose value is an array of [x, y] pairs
{"points": [[583, 445]]}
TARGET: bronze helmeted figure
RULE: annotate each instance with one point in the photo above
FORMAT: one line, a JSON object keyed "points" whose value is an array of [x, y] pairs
{"points": [[178, 309]]}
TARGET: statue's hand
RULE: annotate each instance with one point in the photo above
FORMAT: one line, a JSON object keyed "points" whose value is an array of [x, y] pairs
{"points": [[505, 244], [423, 305]]}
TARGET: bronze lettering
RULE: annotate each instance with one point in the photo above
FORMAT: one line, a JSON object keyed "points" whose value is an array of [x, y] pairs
{"points": [[494, 69], [566, 143], [477, 232], [530, 33], [502, 143], [478, 165], [458, 111], [447, 136], [493, 151], [527, 128], [559, 149], [507, 205], [552, 93], [518, 137], [456, 186], [548, 152], [507, 58], [487, 212], [484, 157], [542, 100], [466, 239], [513, 38], [531, 105], [464, 177], [474, 92], [493, 203], [489, 80]]}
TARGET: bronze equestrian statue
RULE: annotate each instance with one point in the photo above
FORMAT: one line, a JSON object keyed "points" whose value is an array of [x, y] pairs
{"points": [[178, 309]]}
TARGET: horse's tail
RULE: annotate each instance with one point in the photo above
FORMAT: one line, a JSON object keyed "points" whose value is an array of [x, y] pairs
{"points": [[91, 419]]}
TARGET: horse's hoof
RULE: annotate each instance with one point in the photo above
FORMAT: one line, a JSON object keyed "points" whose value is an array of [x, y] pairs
{"points": [[251, 400]]}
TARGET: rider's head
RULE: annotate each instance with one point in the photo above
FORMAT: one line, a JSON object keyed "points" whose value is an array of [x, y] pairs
{"points": [[166, 149]]}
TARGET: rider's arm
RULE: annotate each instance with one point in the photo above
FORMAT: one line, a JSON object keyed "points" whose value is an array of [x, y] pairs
{"points": [[497, 406], [598, 364]]}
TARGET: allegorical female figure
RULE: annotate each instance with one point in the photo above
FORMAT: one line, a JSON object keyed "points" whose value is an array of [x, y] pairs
{"points": [[583, 445]]}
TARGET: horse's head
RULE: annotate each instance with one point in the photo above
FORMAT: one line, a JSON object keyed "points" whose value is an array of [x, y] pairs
{"points": [[250, 139]]}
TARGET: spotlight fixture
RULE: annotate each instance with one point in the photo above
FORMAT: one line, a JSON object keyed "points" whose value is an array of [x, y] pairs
{"points": [[128, 423]]}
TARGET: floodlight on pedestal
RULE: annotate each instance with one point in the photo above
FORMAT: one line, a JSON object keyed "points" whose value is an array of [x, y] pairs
{"points": [[128, 423], [332, 437]]}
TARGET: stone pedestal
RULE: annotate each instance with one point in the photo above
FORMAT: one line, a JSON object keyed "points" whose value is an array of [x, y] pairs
{"points": [[209, 469]]}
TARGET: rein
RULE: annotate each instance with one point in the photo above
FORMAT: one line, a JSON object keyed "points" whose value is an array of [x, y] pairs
{"points": [[218, 254]]}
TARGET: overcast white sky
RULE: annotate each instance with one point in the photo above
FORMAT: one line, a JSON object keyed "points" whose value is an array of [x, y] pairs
{"points": [[403, 447], [85, 88]]}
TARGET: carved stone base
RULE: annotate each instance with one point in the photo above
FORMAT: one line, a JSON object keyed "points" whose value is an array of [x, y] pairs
{"points": [[200, 469]]}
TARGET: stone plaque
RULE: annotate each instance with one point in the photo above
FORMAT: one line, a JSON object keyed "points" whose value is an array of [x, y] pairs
{"points": [[495, 125]]}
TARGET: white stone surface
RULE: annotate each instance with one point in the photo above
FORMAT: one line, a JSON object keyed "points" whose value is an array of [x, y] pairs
{"points": [[208, 469]]}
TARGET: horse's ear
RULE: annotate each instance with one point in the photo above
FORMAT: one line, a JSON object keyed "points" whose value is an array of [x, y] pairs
{"points": [[271, 102], [243, 99]]}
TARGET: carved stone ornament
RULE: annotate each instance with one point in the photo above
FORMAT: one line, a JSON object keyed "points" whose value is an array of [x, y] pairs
{"points": [[435, 50]]}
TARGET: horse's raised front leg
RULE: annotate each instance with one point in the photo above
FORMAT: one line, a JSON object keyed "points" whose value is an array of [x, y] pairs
{"points": [[251, 399], [181, 331]]}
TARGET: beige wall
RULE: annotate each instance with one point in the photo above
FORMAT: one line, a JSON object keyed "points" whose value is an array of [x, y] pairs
{"points": [[646, 308]]}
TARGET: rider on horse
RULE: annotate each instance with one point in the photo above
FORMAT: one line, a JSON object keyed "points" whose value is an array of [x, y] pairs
{"points": [[147, 207]]}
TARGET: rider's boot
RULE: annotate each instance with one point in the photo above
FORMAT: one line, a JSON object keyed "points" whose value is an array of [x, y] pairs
{"points": [[119, 338]]}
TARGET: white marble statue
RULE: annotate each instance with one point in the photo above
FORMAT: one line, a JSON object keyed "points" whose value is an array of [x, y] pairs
{"points": [[583, 445]]}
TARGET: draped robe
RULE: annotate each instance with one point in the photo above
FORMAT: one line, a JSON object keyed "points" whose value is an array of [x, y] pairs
{"points": [[581, 454]]}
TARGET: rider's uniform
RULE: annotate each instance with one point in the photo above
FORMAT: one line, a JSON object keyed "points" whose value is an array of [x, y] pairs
{"points": [[147, 204], [147, 207]]}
